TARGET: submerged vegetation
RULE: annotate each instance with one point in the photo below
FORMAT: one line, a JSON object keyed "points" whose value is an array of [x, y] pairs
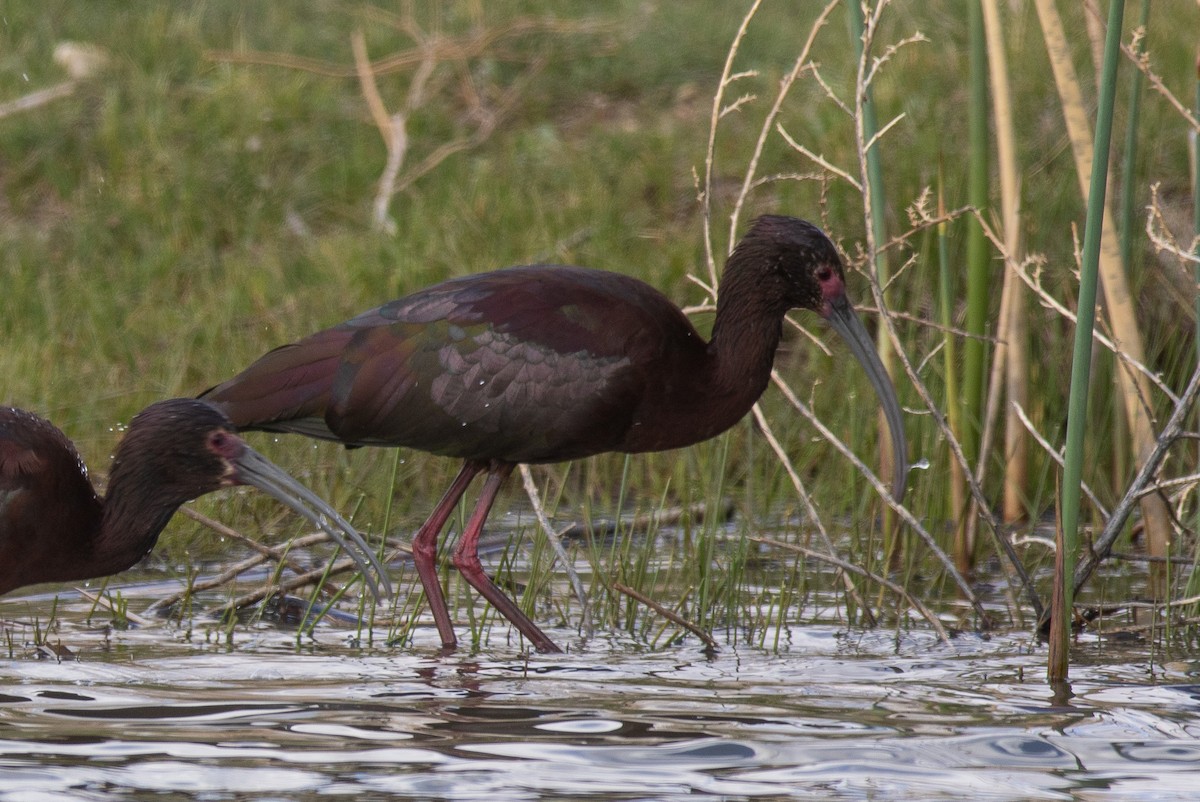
{"points": [[218, 179]]}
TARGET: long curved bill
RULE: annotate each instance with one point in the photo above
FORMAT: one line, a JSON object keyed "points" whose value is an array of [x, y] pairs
{"points": [[841, 316], [257, 471]]}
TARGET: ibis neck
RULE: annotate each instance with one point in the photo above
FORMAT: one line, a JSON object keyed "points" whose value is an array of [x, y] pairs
{"points": [[745, 335], [134, 516], [737, 365]]}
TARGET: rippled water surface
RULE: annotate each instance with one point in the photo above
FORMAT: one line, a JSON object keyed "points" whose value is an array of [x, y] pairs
{"points": [[833, 714]]}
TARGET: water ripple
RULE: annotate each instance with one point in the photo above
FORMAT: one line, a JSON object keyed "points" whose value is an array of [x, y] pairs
{"points": [[842, 717]]}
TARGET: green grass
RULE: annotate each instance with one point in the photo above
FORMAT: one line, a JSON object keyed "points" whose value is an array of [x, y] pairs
{"points": [[180, 214]]}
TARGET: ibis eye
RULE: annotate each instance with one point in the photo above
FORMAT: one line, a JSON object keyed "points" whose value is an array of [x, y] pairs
{"points": [[824, 273]]}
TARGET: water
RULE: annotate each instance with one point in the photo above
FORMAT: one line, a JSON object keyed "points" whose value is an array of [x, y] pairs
{"points": [[833, 714]]}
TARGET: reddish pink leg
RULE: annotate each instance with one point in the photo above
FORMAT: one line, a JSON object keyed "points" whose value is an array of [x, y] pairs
{"points": [[424, 548], [466, 560]]}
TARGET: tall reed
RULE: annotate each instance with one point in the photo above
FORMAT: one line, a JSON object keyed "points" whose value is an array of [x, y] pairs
{"points": [[1081, 357]]}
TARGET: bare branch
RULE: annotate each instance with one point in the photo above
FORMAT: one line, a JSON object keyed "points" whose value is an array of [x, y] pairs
{"points": [[670, 615], [821, 160]]}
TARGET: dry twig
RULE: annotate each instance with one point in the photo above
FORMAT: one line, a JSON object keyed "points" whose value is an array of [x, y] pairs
{"points": [[670, 615]]}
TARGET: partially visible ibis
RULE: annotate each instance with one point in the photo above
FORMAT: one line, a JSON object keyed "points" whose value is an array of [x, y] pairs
{"points": [[546, 363], [55, 528]]}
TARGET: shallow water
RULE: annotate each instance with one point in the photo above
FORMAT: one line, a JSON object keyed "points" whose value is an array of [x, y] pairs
{"points": [[831, 715]]}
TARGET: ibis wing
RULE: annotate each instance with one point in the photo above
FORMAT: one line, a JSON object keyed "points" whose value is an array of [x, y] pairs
{"points": [[30, 447], [287, 389], [43, 489], [19, 465], [527, 364]]}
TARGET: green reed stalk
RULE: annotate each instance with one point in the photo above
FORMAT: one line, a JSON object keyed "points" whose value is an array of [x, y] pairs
{"points": [[1128, 181], [1167, 604], [388, 505], [978, 262], [731, 576], [316, 610], [539, 573], [877, 214], [186, 605], [96, 600], [1196, 205], [874, 169], [786, 599], [958, 493], [1082, 355], [1126, 231], [405, 615], [1196, 273]]}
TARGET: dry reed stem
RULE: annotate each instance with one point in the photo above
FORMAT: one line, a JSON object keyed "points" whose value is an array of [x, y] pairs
{"points": [[848, 567], [1186, 482], [36, 99], [884, 493], [1164, 241], [1034, 282], [727, 77], [1019, 574], [102, 600], [810, 508], [1136, 629], [232, 572], [483, 40], [1146, 558], [1100, 613], [1056, 455], [668, 614], [488, 121], [286, 586], [862, 88], [749, 182], [820, 160], [1171, 432], [1094, 25], [874, 216], [1141, 60], [885, 318], [921, 218], [394, 127], [555, 539], [368, 86], [918, 322], [1014, 351], [888, 334], [264, 553], [281, 556], [431, 51], [1141, 486], [785, 85]]}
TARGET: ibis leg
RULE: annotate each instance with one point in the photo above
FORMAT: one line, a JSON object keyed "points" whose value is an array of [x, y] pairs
{"points": [[424, 548], [466, 560]]}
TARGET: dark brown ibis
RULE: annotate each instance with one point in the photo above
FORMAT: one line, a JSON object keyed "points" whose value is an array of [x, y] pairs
{"points": [[547, 363], [54, 528]]}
